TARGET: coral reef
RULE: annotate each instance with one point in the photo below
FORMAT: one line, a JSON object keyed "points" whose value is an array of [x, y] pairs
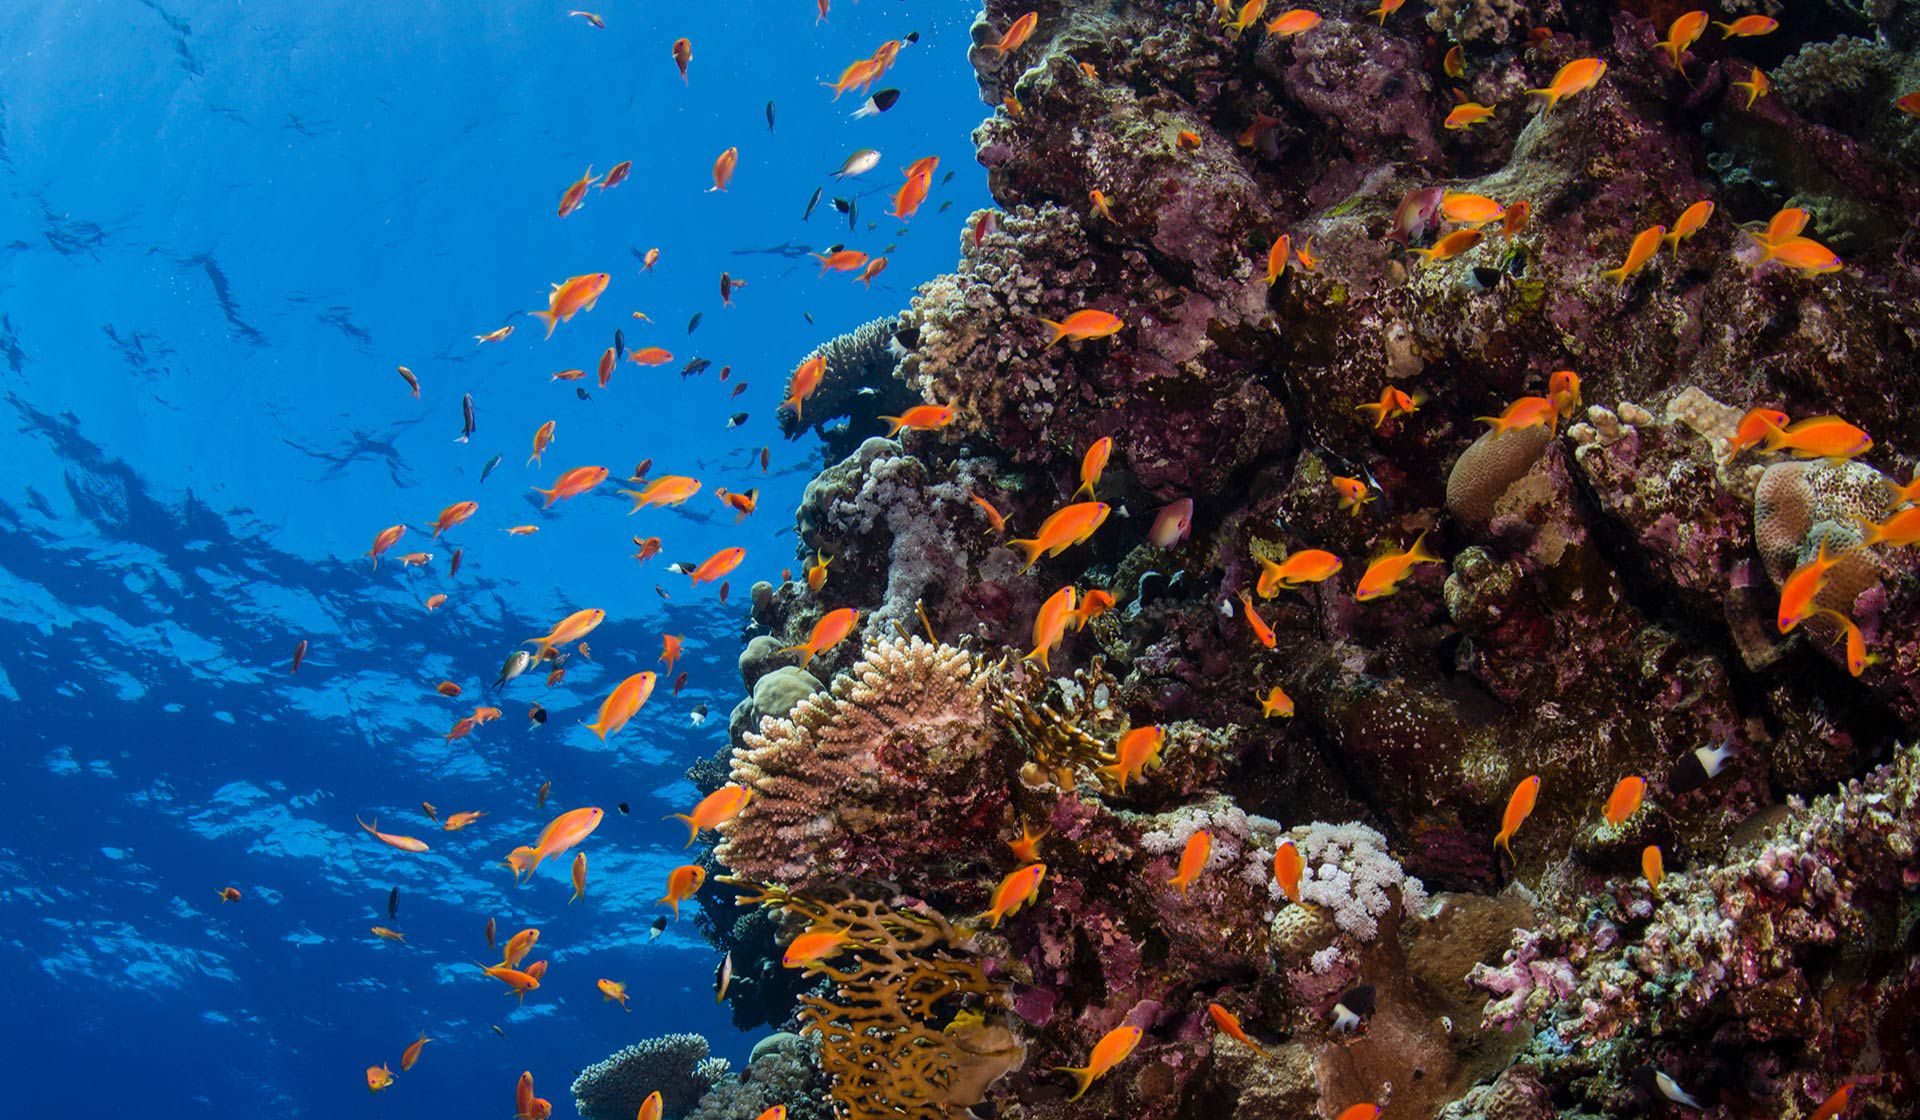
{"points": [[856, 387], [784, 1068], [674, 1065], [1604, 606]]}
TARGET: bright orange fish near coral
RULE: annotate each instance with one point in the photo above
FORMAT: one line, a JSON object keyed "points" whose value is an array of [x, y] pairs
{"points": [[1385, 574], [1016, 890], [1137, 752], [622, 704], [1083, 325], [1229, 1025], [1576, 77], [1050, 625], [1109, 1052], [1519, 808], [1068, 526], [682, 884], [1624, 801], [831, 629], [714, 810], [1193, 860]]}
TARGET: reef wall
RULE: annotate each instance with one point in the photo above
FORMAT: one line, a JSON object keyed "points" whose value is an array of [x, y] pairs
{"points": [[1602, 605]]}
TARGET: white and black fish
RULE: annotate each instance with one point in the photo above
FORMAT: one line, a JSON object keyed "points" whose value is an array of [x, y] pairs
{"points": [[1698, 767], [736, 419], [879, 103], [698, 715], [1353, 1008], [659, 927], [723, 978]]}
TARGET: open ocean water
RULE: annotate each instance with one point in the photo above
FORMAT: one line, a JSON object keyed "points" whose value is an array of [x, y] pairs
{"points": [[224, 226]]}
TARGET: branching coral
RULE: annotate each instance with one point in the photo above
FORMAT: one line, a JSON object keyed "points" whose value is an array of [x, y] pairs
{"points": [[856, 385], [896, 764], [674, 1065], [913, 1029]]}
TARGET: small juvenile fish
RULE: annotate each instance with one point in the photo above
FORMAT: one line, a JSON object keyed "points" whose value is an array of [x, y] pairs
{"points": [[1454, 63], [658, 927], [1261, 630], [682, 54], [579, 877], [879, 103], [1353, 495], [379, 1077], [1027, 848], [613, 991], [1652, 865], [1624, 801], [723, 166], [1276, 703], [1229, 1024], [1352, 1008], [1287, 868]]}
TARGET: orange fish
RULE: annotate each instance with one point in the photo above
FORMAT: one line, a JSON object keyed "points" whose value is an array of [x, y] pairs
{"points": [[453, 515], [1645, 245], [1467, 114], [609, 358], [1454, 63], [1188, 141], [1309, 565], [1747, 27], [907, 200], [1229, 1024], [387, 538], [649, 547], [378, 1077], [404, 843], [682, 54], [841, 260], [682, 884], [812, 947], [499, 335], [1260, 628], [579, 877], [457, 821], [1757, 86], [1137, 751], [1856, 643], [1050, 625], [1304, 254], [1092, 463], [1805, 255], [416, 559], [1576, 77], [1017, 33], [805, 380], [1016, 890], [616, 176], [1068, 526], [1361, 1112], [1519, 806], [622, 704], [718, 565], [723, 166], [1384, 575], [714, 810], [670, 646], [1681, 34], [830, 631], [412, 1053], [1450, 246], [1353, 494], [667, 490], [576, 194], [1290, 23], [650, 356], [518, 946], [1516, 219], [385, 934], [1093, 604], [1276, 703], [1753, 428], [1470, 209], [1624, 801], [572, 484], [615, 992], [1835, 1104], [1287, 868], [1083, 325], [1527, 412], [1387, 8], [874, 268], [434, 602], [229, 894], [857, 75], [522, 530], [563, 832], [920, 418], [1652, 865], [1111, 1050], [1250, 13], [1908, 103], [817, 573], [1898, 531], [526, 1105], [994, 517], [1027, 848], [1277, 255], [741, 504], [577, 294], [1818, 437], [1563, 389], [1802, 587], [1193, 860], [542, 436]]}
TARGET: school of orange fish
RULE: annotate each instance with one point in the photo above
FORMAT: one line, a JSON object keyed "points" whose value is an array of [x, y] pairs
{"points": [[1471, 217]]}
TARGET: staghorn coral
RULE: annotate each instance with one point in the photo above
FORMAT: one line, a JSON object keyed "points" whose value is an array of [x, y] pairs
{"points": [[913, 1026], [675, 1065], [895, 763]]}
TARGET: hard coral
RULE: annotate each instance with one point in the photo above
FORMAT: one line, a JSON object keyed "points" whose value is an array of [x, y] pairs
{"points": [[675, 1065], [895, 765]]}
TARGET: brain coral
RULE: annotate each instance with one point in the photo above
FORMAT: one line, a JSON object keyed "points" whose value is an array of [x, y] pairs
{"points": [[1488, 466], [897, 761], [1796, 506]]}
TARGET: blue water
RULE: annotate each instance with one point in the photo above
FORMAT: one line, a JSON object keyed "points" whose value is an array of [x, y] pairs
{"points": [[224, 225]]}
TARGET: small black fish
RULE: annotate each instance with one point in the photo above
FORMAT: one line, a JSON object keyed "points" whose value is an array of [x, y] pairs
{"points": [[736, 419], [658, 927], [693, 324], [625, 808], [466, 418], [1488, 278], [699, 716], [812, 202], [498, 1031], [908, 337], [945, 206], [583, 394], [488, 469], [619, 341], [1698, 766], [695, 368], [393, 904], [878, 103], [738, 389], [680, 568], [769, 116], [842, 205], [536, 716], [947, 178], [661, 591], [912, 37], [808, 316], [1353, 1008]]}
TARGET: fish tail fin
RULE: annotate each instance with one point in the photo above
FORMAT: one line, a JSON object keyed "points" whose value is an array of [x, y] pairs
{"points": [[1726, 29], [1086, 487], [1673, 239], [1500, 842], [1617, 275], [550, 318], [693, 830], [1082, 1079], [1032, 548], [1378, 411], [598, 728], [524, 861], [1497, 425], [805, 651], [1059, 332], [1420, 553], [1117, 772], [1775, 435], [894, 424], [1870, 532], [1552, 96]]}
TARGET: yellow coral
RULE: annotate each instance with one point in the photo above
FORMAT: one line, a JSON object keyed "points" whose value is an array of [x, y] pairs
{"points": [[914, 1030]]}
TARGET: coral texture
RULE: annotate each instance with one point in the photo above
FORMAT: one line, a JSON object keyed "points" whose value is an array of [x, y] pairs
{"points": [[674, 1065]]}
